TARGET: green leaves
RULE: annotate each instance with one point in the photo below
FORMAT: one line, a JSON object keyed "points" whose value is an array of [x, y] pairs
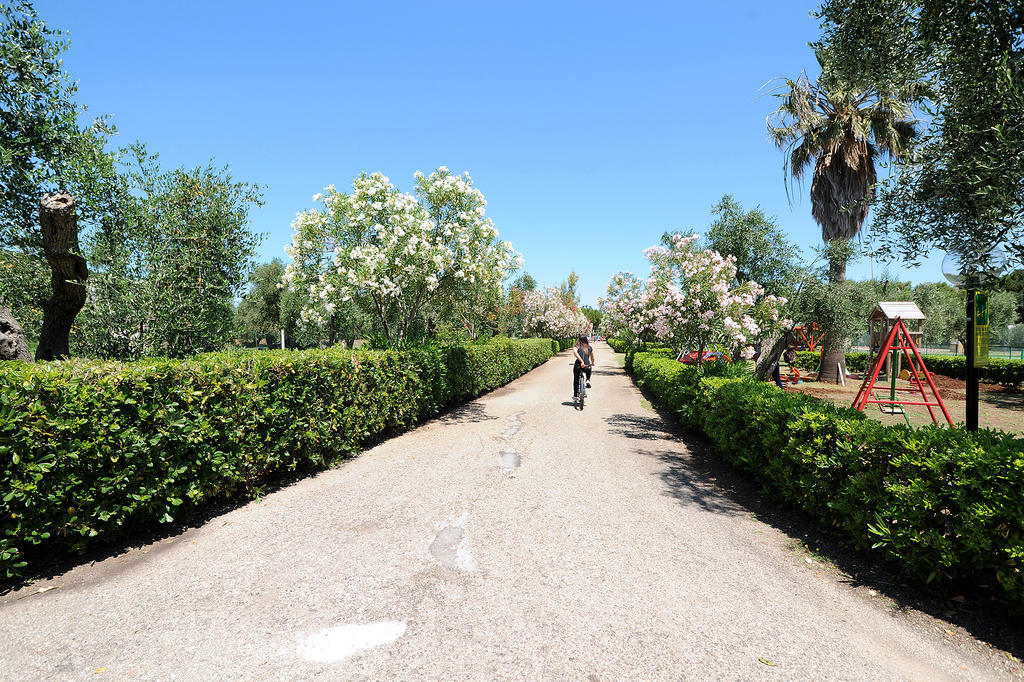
{"points": [[40, 133], [100, 450], [171, 259], [960, 190], [758, 244]]}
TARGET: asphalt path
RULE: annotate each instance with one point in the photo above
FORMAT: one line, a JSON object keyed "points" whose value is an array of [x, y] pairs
{"points": [[515, 537]]}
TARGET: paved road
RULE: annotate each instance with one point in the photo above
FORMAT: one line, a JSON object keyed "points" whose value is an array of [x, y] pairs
{"points": [[514, 538]]}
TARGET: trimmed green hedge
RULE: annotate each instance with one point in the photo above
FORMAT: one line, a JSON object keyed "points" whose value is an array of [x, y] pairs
{"points": [[809, 359], [90, 451], [564, 344], [659, 351], [618, 345], [943, 504], [675, 383], [998, 371]]}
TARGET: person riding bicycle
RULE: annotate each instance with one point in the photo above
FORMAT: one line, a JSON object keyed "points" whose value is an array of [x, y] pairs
{"points": [[584, 354]]}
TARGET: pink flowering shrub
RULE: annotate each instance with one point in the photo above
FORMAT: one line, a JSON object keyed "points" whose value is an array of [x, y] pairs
{"points": [[692, 301]]}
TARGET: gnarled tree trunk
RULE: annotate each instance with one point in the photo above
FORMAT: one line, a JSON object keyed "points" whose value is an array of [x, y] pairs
{"points": [[68, 274], [769, 358], [13, 345]]}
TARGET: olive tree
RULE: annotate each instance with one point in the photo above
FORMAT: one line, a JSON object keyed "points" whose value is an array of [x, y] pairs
{"points": [[168, 270], [52, 173], [760, 248]]}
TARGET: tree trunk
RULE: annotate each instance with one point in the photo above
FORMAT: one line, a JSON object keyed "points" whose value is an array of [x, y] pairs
{"points": [[13, 344], [833, 357], [68, 274], [766, 363]]}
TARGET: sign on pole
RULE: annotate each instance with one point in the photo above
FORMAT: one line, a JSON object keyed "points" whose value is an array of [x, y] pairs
{"points": [[980, 328]]}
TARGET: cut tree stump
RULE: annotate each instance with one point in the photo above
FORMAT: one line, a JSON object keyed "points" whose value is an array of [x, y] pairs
{"points": [[68, 274], [13, 344]]}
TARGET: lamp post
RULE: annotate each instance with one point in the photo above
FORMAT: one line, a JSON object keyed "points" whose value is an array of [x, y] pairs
{"points": [[971, 278]]}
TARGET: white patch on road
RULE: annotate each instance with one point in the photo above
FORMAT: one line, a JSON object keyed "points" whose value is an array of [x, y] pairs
{"points": [[451, 548], [515, 423], [341, 641], [508, 460], [463, 559]]}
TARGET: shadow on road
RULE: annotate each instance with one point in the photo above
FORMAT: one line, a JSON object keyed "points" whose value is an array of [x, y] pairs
{"points": [[641, 428], [699, 476], [471, 413], [689, 486], [682, 480]]}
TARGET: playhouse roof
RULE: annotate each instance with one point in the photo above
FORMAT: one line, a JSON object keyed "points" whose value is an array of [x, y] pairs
{"points": [[890, 310]]}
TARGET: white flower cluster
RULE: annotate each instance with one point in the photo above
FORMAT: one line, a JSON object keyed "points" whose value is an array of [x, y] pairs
{"points": [[396, 251], [547, 313], [620, 313]]}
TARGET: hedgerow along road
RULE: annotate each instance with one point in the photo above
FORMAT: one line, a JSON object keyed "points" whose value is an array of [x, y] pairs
{"points": [[512, 537]]}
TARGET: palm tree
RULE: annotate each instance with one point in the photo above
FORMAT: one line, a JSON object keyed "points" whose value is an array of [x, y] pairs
{"points": [[841, 131]]}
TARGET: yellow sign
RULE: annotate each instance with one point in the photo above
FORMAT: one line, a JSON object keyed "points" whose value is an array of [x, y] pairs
{"points": [[980, 328], [981, 346]]}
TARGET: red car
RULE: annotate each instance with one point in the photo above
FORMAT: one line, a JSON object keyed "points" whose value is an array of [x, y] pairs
{"points": [[709, 356]]}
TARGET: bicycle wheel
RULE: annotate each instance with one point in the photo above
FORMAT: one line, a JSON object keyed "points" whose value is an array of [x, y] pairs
{"points": [[582, 388]]}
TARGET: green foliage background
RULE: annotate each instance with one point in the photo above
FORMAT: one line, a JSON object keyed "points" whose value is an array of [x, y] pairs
{"points": [[167, 251], [166, 271], [762, 251]]}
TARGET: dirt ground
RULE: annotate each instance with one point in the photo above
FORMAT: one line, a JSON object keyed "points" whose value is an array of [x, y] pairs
{"points": [[1000, 407]]}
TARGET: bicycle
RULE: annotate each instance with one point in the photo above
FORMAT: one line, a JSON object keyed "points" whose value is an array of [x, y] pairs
{"points": [[581, 388]]}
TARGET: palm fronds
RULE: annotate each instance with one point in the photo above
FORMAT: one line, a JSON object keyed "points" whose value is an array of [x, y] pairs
{"points": [[841, 131]]}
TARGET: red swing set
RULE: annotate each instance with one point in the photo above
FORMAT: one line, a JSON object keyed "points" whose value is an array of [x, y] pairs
{"points": [[899, 339]]}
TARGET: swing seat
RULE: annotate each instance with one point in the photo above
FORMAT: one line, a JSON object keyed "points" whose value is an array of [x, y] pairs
{"points": [[888, 408]]}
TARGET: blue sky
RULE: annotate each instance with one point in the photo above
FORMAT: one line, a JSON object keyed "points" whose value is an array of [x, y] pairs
{"points": [[590, 127]]}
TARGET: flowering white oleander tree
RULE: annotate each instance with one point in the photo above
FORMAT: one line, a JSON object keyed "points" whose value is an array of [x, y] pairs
{"points": [[622, 309], [397, 255], [693, 301], [548, 313]]}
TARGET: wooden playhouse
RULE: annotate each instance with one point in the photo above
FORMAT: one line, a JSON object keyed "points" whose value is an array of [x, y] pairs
{"points": [[880, 323]]}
